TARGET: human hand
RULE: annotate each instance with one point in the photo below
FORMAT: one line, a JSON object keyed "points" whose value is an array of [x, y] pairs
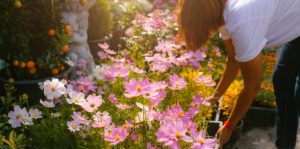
{"points": [[223, 136], [212, 100]]}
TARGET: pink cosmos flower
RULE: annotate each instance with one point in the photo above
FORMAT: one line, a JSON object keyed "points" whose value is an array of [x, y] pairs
{"points": [[203, 80], [176, 83], [108, 75], [175, 113], [76, 98], [137, 70], [113, 99], [129, 32], [198, 100], [128, 124], [120, 72], [115, 135], [200, 141], [151, 93], [166, 46], [124, 106], [103, 45], [110, 52], [74, 126], [93, 103], [149, 146], [35, 113], [171, 132], [102, 55], [191, 126], [136, 88], [134, 137], [106, 49], [84, 85], [77, 116], [157, 99], [161, 85], [101, 119], [47, 103], [217, 50]]}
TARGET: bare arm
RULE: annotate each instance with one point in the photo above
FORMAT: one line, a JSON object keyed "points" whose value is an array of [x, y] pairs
{"points": [[252, 74], [230, 72]]}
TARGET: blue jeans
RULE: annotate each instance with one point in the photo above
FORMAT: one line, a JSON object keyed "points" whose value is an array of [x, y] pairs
{"points": [[284, 80]]}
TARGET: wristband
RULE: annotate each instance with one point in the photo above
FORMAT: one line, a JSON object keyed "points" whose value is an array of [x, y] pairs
{"points": [[227, 125]]}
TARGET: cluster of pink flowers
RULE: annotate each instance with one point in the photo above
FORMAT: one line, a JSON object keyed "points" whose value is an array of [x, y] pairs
{"points": [[168, 56], [207, 81], [157, 22], [84, 85], [21, 116], [115, 135]]}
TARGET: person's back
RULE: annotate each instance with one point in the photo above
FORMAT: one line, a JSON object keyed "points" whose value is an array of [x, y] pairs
{"points": [[255, 24]]}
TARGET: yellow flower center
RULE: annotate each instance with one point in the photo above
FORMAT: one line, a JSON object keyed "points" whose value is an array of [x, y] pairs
{"points": [[53, 89], [73, 126], [92, 105], [201, 141], [181, 114], [138, 88], [178, 134], [109, 132], [125, 126], [76, 100], [18, 116], [117, 138]]}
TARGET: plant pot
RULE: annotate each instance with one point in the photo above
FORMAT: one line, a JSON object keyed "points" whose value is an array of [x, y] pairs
{"points": [[31, 87], [213, 127], [260, 117]]}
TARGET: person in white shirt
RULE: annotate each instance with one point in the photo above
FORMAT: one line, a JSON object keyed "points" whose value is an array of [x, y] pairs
{"points": [[248, 26]]}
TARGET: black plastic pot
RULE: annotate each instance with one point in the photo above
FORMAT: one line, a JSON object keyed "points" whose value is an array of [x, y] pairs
{"points": [[213, 127], [260, 117], [31, 87]]}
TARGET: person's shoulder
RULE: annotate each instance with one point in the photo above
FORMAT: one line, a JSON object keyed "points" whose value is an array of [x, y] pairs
{"points": [[242, 11]]}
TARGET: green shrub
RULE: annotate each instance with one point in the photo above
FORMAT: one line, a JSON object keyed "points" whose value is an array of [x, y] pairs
{"points": [[100, 20]]}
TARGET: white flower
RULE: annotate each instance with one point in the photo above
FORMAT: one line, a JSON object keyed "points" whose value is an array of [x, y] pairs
{"points": [[15, 117], [18, 117], [76, 98], [54, 89], [74, 126], [47, 104], [35, 113], [144, 115], [99, 71]]}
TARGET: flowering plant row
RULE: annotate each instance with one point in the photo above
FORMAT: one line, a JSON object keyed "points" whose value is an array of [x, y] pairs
{"points": [[123, 102]]}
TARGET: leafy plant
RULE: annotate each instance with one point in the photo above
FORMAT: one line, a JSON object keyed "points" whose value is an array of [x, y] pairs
{"points": [[33, 42], [14, 141]]}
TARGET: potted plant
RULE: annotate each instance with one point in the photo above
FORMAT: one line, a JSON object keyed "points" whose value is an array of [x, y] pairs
{"points": [[33, 47]]}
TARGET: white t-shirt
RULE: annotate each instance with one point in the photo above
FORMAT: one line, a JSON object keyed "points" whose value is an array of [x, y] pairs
{"points": [[256, 24]]}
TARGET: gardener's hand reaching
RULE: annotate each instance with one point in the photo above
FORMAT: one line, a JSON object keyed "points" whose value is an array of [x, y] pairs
{"points": [[212, 100]]}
